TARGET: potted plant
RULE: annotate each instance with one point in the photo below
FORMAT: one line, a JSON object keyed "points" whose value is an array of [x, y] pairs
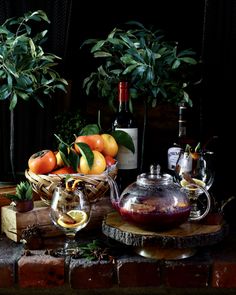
{"points": [[26, 71], [156, 69], [23, 198]]}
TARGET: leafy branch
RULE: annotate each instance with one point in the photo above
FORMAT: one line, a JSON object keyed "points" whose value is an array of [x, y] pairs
{"points": [[26, 71], [155, 68]]}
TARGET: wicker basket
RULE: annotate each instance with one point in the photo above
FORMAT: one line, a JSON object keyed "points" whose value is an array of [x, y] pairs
{"points": [[96, 185]]}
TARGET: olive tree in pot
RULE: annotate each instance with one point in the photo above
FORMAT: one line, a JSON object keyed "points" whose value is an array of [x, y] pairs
{"points": [[156, 69], [26, 71]]}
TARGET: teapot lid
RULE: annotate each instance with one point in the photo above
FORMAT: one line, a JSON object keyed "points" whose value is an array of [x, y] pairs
{"points": [[154, 177]]}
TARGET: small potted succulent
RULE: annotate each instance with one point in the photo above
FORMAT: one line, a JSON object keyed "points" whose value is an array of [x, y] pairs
{"points": [[23, 198]]}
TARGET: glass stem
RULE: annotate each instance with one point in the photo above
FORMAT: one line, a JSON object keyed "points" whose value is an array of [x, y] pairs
{"points": [[71, 245]]}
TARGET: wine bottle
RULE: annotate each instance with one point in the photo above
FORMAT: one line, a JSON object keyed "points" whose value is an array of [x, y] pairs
{"points": [[182, 139], [124, 120]]}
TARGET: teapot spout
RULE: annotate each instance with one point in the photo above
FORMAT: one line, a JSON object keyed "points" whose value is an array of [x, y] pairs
{"points": [[114, 192]]}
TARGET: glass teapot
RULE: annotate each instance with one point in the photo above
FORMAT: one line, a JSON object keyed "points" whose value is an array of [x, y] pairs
{"points": [[156, 202]]}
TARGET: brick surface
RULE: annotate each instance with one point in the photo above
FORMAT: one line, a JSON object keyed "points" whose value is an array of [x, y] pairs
{"points": [[224, 275], [40, 271], [6, 274], [138, 272], [224, 263], [10, 252], [212, 268], [187, 273], [91, 275]]}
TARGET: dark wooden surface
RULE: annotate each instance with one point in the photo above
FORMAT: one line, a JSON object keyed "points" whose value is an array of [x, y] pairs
{"points": [[184, 236]]}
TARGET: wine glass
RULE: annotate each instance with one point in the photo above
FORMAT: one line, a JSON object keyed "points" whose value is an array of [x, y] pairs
{"points": [[198, 166], [194, 171], [70, 211]]}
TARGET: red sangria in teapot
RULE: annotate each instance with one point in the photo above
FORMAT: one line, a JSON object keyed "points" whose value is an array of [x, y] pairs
{"points": [[155, 201]]}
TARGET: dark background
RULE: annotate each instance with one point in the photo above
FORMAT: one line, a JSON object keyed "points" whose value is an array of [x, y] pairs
{"points": [[206, 26]]}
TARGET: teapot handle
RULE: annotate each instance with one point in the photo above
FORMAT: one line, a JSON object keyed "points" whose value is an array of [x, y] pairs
{"points": [[193, 192]]}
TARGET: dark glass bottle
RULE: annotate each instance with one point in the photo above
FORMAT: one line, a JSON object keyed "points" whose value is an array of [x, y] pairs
{"points": [[124, 120]]}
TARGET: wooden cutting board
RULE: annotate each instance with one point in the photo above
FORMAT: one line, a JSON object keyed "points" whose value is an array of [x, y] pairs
{"points": [[187, 236]]}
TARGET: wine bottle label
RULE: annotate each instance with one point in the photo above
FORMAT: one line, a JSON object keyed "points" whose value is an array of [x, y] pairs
{"points": [[173, 156], [127, 159]]}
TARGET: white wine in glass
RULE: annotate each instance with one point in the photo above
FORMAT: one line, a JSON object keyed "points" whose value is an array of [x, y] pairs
{"points": [[70, 212]]}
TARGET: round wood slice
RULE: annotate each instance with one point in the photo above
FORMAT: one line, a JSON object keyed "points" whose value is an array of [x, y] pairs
{"points": [[187, 235]]}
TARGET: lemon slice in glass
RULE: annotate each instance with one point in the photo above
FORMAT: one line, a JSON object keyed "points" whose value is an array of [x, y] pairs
{"points": [[199, 182], [79, 216]]}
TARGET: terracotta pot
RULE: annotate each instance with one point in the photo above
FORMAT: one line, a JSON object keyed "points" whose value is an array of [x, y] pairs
{"points": [[24, 206]]}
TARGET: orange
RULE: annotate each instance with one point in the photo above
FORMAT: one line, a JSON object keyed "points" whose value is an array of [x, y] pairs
{"points": [[110, 145], [99, 164], [85, 139], [64, 170], [110, 161], [96, 142]]}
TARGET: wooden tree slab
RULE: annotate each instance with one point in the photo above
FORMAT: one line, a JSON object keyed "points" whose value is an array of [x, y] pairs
{"points": [[187, 235]]}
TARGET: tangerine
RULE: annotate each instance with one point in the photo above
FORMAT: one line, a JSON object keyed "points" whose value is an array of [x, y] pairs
{"points": [[110, 145], [97, 142], [85, 139], [99, 164]]}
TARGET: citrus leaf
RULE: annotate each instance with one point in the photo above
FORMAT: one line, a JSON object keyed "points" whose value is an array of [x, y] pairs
{"points": [[74, 159], [86, 152], [123, 138], [64, 153], [90, 129]]}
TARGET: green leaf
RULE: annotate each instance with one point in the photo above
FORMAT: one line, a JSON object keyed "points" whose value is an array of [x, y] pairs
{"points": [[97, 46], [4, 92], [115, 41], [102, 72], [89, 41], [123, 138], [176, 64], [128, 59], [86, 152], [186, 52], [74, 159], [90, 129], [130, 69], [13, 101], [189, 60], [102, 54], [128, 41], [63, 150], [21, 94]]}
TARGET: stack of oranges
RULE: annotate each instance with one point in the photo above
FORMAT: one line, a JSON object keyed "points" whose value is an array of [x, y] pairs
{"points": [[103, 147]]}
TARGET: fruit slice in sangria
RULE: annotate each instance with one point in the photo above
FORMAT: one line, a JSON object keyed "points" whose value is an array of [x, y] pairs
{"points": [[73, 219]]}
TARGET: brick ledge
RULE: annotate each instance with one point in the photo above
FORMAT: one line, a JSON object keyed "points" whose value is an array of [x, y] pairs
{"points": [[211, 268]]}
